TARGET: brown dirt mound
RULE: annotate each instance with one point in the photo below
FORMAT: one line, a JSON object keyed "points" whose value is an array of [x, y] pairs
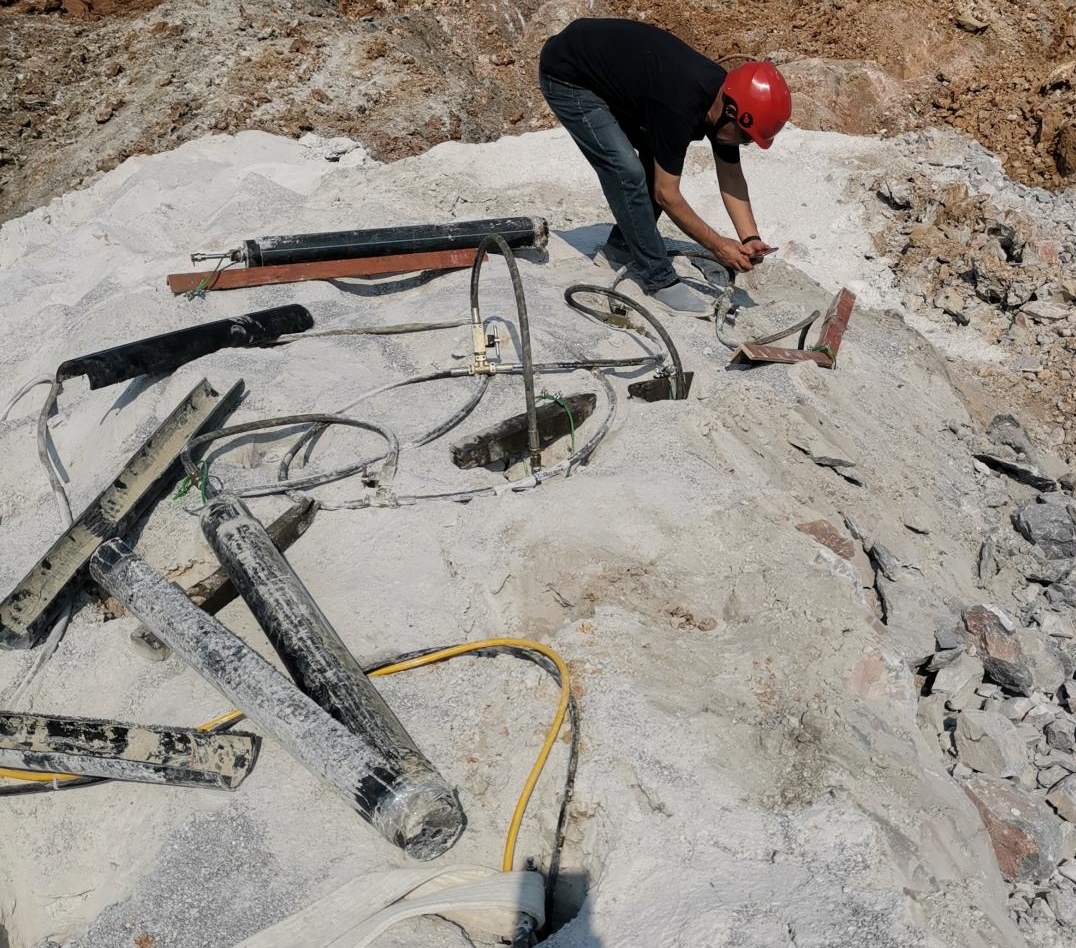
{"points": [[402, 75]]}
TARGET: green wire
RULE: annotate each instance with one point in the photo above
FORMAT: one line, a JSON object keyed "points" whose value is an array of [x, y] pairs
{"points": [[563, 404], [203, 483], [203, 283]]}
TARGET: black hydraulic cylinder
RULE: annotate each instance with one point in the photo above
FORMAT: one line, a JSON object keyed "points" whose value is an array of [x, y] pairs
{"points": [[170, 350], [302, 635], [396, 793], [384, 241], [180, 757]]}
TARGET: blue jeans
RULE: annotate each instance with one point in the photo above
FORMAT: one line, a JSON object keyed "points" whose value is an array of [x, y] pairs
{"points": [[626, 177]]}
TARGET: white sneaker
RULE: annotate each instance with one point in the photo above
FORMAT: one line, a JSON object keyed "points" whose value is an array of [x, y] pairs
{"points": [[680, 300], [613, 257]]}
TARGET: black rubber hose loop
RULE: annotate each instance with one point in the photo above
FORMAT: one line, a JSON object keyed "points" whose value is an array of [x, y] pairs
{"points": [[190, 465], [678, 366]]}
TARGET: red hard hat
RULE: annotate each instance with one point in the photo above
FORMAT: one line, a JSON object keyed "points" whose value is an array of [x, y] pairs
{"points": [[760, 97]]}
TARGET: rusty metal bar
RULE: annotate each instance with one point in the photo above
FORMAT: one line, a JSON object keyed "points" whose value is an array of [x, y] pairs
{"points": [[824, 352], [749, 352], [836, 322], [321, 270]]}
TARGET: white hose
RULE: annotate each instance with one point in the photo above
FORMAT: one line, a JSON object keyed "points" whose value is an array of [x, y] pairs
{"points": [[14, 698], [40, 380], [475, 897]]}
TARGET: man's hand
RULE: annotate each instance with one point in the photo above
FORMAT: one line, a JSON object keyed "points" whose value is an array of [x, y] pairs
{"points": [[733, 254], [756, 248]]}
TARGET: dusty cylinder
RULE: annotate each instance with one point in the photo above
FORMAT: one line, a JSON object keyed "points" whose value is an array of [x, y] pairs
{"points": [[180, 757], [381, 241], [169, 351], [302, 635], [397, 793]]}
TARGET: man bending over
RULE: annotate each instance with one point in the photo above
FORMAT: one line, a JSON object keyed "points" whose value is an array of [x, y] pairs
{"points": [[634, 97]]}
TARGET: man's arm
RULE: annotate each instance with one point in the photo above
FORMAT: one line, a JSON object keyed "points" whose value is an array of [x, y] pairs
{"points": [[737, 200], [667, 193]]}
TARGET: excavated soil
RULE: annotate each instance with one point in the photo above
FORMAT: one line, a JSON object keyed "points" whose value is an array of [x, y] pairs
{"points": [[85, 84]]}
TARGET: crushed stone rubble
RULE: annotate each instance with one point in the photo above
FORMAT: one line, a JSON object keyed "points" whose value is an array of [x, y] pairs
{"points": [[998, 695], [974, 248]]}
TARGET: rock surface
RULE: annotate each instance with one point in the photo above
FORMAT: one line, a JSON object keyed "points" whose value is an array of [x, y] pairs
{"points": [[1025, 833], [988, 742]]}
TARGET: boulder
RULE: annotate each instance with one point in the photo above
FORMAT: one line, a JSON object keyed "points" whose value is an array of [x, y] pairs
{"points": [[1048, 777], [931, 715], [1062, 593], [958, 681], [1062, 797], [1016, 709], [1006, 430], [914, 617], [1056, 625], [1062, 903], [989, 743], [1051, 527], [1044, 312], [1042, 659], [951, 302], [1026, 834], [1066, 694], [994, 638], [1061, 733]]}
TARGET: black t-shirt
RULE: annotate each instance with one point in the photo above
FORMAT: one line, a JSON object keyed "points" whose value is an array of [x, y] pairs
{"points": [[658, 88]]}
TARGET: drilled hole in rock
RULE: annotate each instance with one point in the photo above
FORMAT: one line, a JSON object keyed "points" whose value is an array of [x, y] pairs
{"points": [[569, 896]]}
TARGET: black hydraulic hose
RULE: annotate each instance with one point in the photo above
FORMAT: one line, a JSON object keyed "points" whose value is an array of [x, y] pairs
{"points": [[449, 423], [679, 385], [564, 467], [724, 307], [432, 435], [299, 483], [802, 327], [315, 431], [496, 240], [572, 366]]}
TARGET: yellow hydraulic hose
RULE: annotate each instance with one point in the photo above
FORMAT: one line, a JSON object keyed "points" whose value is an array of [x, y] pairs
{"points": [[430, 659], [551, 734]]}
